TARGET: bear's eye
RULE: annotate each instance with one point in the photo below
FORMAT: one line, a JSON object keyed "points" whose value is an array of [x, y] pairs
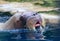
{"points": [[35, 14]]}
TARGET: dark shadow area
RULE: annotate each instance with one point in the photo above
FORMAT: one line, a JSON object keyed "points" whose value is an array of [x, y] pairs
{"points": [[5, 14]]}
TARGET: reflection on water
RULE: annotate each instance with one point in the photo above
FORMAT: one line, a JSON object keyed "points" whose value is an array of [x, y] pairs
{"points": [[17, 35]]}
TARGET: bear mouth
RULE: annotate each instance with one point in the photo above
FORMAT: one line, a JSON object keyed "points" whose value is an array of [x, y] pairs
{"points": [[37, 25]]}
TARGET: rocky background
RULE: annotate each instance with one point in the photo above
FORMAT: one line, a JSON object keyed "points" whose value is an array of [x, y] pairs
{"points": [[42, 6]]}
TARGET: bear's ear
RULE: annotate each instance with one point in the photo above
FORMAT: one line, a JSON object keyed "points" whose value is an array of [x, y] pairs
{"points": [[23, 20], [18, 15]]}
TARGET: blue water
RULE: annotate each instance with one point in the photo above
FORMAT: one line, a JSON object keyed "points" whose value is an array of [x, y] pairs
{"points": [[19, 35]]}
